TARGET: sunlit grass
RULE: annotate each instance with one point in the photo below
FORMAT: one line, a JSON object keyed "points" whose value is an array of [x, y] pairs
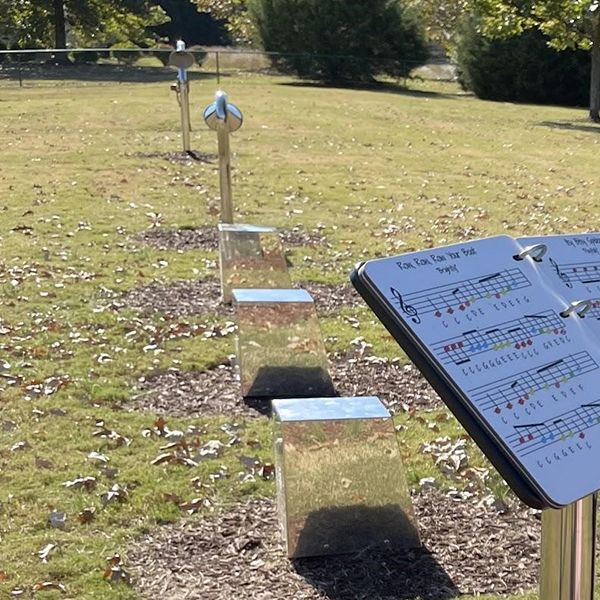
{"points": [[376, 171]]}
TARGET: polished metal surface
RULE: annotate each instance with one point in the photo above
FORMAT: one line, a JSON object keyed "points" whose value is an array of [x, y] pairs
{"points": [[224, 118], [567, 569], [280, 348], [340, 481], [274, 296], [250, 257], [184, 103], [326, 409], [223, 114], [181, 59]]}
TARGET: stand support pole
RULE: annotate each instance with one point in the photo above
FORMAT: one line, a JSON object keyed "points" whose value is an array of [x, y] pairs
{"points": [[225, 174], [568, 551], [184, 100]]}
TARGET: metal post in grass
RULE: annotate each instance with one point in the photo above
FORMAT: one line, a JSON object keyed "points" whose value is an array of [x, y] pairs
{"points": [[569, 551], [224, 118], [182, 60]]}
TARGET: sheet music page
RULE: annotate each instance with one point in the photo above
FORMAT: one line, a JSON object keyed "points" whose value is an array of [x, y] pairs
{"points": [[572, 264], [494, 327]]}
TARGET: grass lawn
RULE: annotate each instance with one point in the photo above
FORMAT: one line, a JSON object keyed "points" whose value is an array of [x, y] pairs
{"points": [[376, 172]]}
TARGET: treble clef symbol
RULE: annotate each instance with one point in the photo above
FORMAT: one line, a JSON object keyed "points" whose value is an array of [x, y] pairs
{"points": [[407, 309], [563, 276]]}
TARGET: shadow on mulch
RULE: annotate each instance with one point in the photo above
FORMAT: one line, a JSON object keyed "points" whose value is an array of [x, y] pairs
{"points": [[217, 391], [190, 156], [471, 546]]}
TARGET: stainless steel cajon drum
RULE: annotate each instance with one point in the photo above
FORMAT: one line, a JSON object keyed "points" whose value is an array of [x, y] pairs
{"points": [[250, 257], [280, 350], [340, 480]]}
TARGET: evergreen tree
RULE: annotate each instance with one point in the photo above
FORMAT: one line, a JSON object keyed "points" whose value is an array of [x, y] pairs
{"points": [[337, 40]]}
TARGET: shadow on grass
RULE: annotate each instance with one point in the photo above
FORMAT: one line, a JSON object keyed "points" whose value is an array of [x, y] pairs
{"points": [[94, 73], [588, 127], [387, 88], [378, 572]]}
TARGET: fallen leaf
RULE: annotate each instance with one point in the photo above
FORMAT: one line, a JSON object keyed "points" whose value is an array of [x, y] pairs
{"points": [[44, 553], [24, 445], [115, 494], [87, 515], [43, 586], [87, 483], [57, 519], [98, 457]]}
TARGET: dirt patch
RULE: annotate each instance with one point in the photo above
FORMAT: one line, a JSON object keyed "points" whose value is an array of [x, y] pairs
{"points": [[197, 238], [470, 546], [207, 238], [296, 238], [331, 297], [180, 298], [217, 391], [192, 394], [400, 387], [180, 157], [200, 297]]}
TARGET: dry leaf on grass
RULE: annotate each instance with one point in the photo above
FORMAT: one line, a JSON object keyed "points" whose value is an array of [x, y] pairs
{"points": [[86, 483], [57, 519], [44, 553], [44, 586], [86, 515]]}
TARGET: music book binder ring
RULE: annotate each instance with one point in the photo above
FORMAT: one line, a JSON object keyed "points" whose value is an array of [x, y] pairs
{"points": [[580, 308], [536, 252]]}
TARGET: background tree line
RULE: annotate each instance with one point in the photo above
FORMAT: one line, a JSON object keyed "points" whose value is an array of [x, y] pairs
{"points": [[529, 50]]}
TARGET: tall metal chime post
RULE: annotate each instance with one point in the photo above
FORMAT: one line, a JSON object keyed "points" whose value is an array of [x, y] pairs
{"points": [[568, 551], [182, 61], [224, 118]]}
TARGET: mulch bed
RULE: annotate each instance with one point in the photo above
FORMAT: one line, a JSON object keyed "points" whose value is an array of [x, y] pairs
{"points": [[179, 157], [202, 297], [197, 238], [399, 387], [469, 547], [207, 238], [192, 394], [331, 297], [217, 391], [180, 298]]}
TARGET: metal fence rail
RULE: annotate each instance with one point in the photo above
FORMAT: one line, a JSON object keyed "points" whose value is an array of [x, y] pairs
{"points": [[96, 66]]}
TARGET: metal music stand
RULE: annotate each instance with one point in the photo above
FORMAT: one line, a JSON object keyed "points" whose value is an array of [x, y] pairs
{"points": [[182, 60], [224, 118]]}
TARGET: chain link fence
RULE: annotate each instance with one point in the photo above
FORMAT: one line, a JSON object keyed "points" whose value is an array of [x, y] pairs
{"points": [[78, 67]]}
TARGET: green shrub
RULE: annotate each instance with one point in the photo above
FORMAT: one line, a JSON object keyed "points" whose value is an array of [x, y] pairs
{"points": [[521, 69], [340, 40]]}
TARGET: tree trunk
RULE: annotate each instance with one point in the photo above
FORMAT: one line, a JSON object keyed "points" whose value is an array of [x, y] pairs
{"points": [[595, 76], [60, 29]]}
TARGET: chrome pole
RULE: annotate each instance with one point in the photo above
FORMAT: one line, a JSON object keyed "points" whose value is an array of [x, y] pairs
{"points": [[225, 175], [184, 105], [568, 551]]}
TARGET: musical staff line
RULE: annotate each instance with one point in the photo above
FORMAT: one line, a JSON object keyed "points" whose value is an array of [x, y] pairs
{"points": [[458, 296], [518, 389], [519, 333], [569, 425], [583, 273]]}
